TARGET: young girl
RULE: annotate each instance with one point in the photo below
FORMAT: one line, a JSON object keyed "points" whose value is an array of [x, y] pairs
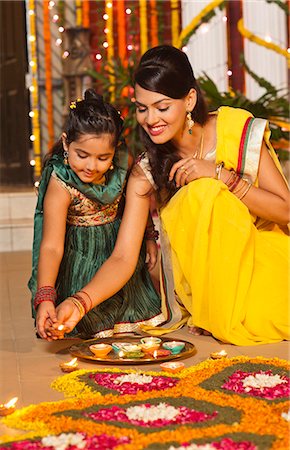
{"points": [[77, 219]]}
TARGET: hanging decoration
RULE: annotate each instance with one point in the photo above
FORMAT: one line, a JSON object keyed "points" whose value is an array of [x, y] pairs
{"points": [[143, 26], [121, 28], [174, 21], [33, 88], [269, 45], [109, 45], [79, 15], [48, 72], [153, 23], [188, 31], [86, 13]]}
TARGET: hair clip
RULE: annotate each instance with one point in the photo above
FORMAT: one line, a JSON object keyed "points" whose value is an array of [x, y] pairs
{"points": [[72, 105]]}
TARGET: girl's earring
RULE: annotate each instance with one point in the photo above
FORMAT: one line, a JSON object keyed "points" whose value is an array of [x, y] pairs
{"points": [[111, 166], [190, 122], [65, 157]]}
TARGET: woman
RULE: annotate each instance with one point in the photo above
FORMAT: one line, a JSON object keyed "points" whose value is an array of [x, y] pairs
{"points": [[224, 209]]}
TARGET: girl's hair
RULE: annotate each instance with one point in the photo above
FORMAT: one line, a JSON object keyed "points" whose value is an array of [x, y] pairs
{"points": [[167, 70], [89, 116]]}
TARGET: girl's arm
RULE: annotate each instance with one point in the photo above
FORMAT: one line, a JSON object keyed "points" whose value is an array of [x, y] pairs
{"points": [[55, 208], [270, 201], [120, 266]]}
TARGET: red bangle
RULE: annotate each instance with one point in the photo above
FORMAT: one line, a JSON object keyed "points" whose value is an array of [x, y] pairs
{"points": [[82, 301], [45, 294]]}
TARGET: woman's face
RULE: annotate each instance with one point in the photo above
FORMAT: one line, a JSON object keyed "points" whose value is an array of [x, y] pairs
{"points": [[162, 117], [90, 157]]}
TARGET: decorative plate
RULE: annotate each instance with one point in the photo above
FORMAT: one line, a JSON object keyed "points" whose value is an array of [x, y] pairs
{"points": [[83, 351]]}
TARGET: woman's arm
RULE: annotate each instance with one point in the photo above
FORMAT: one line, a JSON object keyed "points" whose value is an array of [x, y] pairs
{"points": [[120, 266], [55, 208], [270, 201]]}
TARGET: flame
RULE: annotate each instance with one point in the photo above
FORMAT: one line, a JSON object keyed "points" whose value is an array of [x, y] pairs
{"points": [[60, 327], [222, 353], [121, 354], [11, 402], [72, 362], [155, 353]]}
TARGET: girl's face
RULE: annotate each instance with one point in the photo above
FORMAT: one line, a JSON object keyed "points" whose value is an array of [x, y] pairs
{"points": [[90, 157], [163, 118]]}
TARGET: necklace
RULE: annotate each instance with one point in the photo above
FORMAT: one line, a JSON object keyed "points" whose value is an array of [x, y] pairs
{"points": [[198, 153]]}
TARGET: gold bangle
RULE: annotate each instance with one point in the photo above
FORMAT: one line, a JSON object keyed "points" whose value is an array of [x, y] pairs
{"points": [[245, 191], [79, 306], [243, 184], [218, 170]]}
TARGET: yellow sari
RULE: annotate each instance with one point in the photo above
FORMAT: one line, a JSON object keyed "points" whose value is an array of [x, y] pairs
{"points": [[230, 270]]}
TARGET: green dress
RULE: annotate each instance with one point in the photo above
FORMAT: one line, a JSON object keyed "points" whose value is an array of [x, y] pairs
{"points": [[93, 221]]}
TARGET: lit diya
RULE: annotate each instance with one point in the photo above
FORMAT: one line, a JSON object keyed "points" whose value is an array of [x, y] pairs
{"points": [[219, 355], [172, 366], [131, 351], [69, 366], [9, 407]]}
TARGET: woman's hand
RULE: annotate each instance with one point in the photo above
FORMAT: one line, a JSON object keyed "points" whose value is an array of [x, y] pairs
{"points": [[188, 169], [45, 318], [67, 316], [152, 252]]}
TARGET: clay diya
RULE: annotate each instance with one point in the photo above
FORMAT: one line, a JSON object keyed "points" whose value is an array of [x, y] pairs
{"points": [[174, 346], [100, 350], [172, 366], [69, 366], [9, 407]]}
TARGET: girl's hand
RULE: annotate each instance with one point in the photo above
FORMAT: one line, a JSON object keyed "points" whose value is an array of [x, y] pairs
{"points": [[45, 318], [68, 315], [188, 169], [152, 252]]}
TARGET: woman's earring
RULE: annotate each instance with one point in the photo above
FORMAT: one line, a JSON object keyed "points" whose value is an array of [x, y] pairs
{"points": [[111, 166], [190, 122], [65, 157]]}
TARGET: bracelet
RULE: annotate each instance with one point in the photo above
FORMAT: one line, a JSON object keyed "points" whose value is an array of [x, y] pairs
{"points": [[91, 302], [80, 299], [239, 188], [230, 178], [245, 191], [79, 306], [45, 294], [234, 183], [218, 170]]}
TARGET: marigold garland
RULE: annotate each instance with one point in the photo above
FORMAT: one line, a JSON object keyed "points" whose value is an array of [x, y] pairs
{"points": [[196, 21], [252, 37], [256, 421]]}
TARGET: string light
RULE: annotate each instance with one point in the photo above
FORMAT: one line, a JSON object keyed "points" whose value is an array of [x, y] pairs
{"points": [[61, 29], [36, 184], [58, 42], [32, 137], [65, 54], [32, 162], [31, 38], [105, 16], [109, 5], [225, 19], [55, 18], [204, 28], [106, 30], [98, 56], [31, 88], [105, 44], [128, 11], [51, 4], [184, 49], [268, 38], [130, 47], [31, 114], [229, 73]]}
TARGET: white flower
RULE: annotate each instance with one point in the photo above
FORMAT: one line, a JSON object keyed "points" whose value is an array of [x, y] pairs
{"points": [[152, 413], [133, 378], [63, 441], [286, 415], [262, 380]]}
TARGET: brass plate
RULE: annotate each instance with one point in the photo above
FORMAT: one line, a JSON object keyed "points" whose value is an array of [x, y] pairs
{"points": [[82, 351]]}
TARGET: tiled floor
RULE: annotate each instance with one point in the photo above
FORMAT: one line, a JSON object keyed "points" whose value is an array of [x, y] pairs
{"points": [[28, 365]]}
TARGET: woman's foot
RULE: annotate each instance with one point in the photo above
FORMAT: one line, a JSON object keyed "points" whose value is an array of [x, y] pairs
{"points": [[198, 331]]}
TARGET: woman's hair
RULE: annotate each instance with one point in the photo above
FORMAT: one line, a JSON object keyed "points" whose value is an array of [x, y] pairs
{"points": [[167, 70], [89, 116]]}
